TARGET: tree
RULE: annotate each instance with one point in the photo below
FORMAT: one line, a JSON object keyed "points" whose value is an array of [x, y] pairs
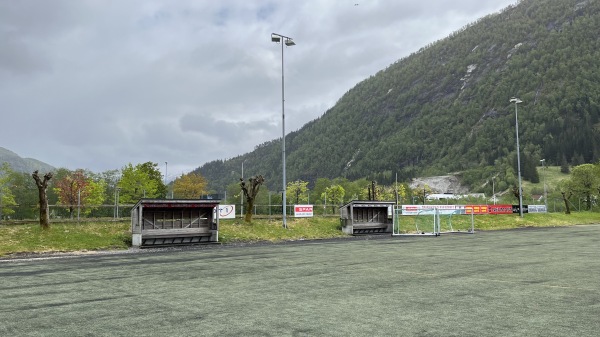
{"points": [[515, 192], [71, 190], [139, 182], [400, 190], [566, 191], [585, 182], [564, 166], [153, 172], [422, 192], [42, 185], [320, 185], [334, 194], [296, 190], [189, 186], [25, 192], [95, 194], [7, 199], [110, 179], [250, 193]]}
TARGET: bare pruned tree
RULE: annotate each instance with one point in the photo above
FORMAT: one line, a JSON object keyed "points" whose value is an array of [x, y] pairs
{"points": [[42, 185], [250, 193]]}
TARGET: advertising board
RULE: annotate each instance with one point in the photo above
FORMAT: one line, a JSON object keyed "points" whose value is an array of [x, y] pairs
{"points": [[226, 211], [442, 209], [303, 211], [536, 209]]}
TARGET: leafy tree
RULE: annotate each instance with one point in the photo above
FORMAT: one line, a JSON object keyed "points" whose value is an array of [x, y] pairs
{"points": [[374, 191], [566, 191], [141, 181], [42, 185], [334, 195], [110, 179], [421, 192], [297, 191], [320, 185], [189, 186], [564, 165], [7, 199], [250, 192], [233, 193], [72, 190], [400, 191], [95, 195], [151, 169], [585, 182], [25, 192]]}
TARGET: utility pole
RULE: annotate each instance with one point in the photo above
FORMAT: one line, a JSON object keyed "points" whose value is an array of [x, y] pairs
{"points": [[545, 192]]}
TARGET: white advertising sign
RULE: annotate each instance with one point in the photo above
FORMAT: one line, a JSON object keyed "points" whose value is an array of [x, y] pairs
{"points": [[303, 211], [226, 211], [537, 209], [425, 209]]}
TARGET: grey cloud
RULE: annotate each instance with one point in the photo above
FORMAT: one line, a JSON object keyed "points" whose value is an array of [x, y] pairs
{"points": [[106, 83]]}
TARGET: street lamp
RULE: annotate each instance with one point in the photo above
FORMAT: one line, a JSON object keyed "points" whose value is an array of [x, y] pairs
{"points": [[166, 186], [494, 189], [117, 190], [242, 193], [517, 101], [288, 42], [545, 193]]}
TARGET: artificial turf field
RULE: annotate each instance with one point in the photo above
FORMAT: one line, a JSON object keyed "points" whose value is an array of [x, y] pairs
{"points": [[537, 282]]}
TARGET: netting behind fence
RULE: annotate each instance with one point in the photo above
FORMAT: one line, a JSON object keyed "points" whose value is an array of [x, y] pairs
{"points": [[424, 223]]}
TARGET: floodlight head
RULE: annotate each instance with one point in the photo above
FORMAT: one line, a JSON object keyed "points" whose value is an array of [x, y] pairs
{"points": [[275, 38], [289, 42], [515, 100]]}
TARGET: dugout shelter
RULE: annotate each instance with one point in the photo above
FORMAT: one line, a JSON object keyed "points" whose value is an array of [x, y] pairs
{"points": [[367, 217], [165, 222]]}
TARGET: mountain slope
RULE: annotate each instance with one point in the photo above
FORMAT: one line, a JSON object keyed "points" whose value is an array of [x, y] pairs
{"points": [[26, 165], [446, 107]]}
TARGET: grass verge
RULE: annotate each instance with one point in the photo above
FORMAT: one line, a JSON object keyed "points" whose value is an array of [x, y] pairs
{"points": [[65, 237]]}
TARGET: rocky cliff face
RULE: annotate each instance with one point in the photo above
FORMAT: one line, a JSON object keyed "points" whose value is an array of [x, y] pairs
{"points": [[440, 184]]}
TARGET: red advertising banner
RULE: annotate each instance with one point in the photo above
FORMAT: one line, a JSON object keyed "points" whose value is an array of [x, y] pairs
{"points": [[500, 209]]}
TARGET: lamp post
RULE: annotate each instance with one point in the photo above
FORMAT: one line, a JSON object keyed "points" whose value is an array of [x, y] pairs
{"points": [[117, 190], [242, 193], [494, 189], [544, 180], [517, 101], [166, 186], [288, 42]]}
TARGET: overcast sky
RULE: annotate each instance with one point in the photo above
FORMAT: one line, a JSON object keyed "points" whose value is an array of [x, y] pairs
{"points": [[100, 84]]}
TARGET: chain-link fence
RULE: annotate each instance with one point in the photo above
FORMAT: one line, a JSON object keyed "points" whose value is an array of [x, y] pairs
{"points": [[122, 211]]}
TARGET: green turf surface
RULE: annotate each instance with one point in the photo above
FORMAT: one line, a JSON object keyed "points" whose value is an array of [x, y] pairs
{"points": [[529, 282]]}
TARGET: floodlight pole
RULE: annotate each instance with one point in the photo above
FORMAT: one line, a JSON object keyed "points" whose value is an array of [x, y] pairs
{"points": [[277, 38], [545, 193], [242, 193], [494, 189], [166, 186], [517, 101]]}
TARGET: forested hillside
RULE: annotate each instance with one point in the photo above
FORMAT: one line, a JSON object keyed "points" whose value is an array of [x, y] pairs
{"points": [[26, 165], [446, 107]]}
